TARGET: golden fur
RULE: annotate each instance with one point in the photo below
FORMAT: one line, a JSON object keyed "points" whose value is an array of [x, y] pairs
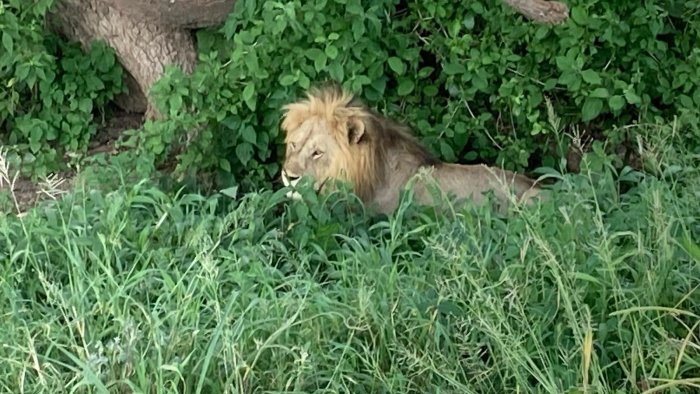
{"points": [[330, 134]]}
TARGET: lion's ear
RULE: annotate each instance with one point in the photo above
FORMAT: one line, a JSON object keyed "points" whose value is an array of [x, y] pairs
{"points": [[356, 129]]}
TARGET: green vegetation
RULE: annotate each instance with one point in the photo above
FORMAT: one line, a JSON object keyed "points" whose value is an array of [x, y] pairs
{"points": [[49, 90], [139, 291], [472, 78], [125, 286]]}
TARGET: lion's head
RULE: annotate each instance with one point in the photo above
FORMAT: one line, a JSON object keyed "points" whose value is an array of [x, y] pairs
{"points": [[330, 135]]}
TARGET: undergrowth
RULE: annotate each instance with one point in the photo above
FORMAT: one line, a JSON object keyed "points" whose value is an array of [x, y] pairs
{"points": [[52, 93], [135, 290]]}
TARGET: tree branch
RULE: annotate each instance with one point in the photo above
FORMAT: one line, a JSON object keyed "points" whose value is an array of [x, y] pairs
{"points": [[542, 11]]}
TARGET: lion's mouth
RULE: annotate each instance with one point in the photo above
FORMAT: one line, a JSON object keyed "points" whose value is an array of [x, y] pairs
{"points": [[290, 183], [293, 194]]}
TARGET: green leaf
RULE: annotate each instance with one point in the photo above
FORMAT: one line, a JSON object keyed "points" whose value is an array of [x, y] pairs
{"points": [[579, 15], [425, 71], [7, 43], [105, 63], [287, 79], [397, 65], [600, 93], [225, 165], [616, 102], [231, 192], [69, 65], [313, 53], [591, 108], [175, 103], [22, 71], [244, 152], [468, 22], [406, 87], [34, 146], [359, 81], [249, 96], [331, 52], [320, 63], [363, 80], [94, 83], [632, 97], [591, 77], [479, 81], [446, 151], [564, 63], [336, 71], [541, 32], [35, 133], [318, 56], [304, 81], [686, 101], [231, 122], [251, 62], [430, 90], [248, 134], [85, 105], [453, 68], [358, 29], [569, 79], [355, 7]]}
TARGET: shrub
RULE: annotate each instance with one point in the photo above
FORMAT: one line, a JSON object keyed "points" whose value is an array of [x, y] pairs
{"points": [[611, 64], [49, 89], [472, 78]]}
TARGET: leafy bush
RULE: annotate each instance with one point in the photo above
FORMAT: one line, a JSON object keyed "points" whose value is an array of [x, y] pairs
{"points": [[49, 89], [246, 73], [611, 64], [136, 290], [472, 77]]}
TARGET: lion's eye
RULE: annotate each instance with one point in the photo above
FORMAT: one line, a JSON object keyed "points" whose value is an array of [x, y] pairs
{"points": [[317, 153], [292, 146]]}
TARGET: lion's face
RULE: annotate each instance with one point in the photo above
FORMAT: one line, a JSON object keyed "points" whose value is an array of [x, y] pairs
{"points": [[312, 151], [326, 139]]}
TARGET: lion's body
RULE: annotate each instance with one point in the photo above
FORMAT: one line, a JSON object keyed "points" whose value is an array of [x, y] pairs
{"points": [[330, 135]]}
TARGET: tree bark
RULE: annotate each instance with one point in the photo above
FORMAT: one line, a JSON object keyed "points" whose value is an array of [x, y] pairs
{"points": [[147, 35], [542, 11]]}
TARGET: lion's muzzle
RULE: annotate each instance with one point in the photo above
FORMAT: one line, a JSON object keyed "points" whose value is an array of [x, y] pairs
{"points": [[291, 181]]}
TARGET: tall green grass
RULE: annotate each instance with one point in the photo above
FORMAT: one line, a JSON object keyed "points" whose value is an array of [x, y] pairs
{"points": [[135, 290]]}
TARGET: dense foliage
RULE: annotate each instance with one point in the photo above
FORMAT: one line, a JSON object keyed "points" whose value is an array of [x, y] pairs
{"points": [[50, 90], [122, 287], [471, 77], [135, 290]]}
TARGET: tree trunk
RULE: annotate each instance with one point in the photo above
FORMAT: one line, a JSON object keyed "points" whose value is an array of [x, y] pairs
{"points": [[147, 35]]}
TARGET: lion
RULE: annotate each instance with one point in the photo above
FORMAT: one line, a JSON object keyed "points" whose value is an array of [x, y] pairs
{"points": [[333, 135]]}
